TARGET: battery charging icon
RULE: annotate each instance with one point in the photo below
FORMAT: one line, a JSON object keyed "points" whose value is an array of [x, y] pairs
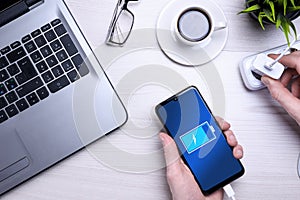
{"points": [[198, 137]]}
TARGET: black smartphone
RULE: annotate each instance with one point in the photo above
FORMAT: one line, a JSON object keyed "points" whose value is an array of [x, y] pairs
{"points": [[201, 142]]}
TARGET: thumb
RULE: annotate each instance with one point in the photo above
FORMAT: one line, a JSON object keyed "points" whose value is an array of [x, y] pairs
{"points": [[280, 93], [172, 157]]}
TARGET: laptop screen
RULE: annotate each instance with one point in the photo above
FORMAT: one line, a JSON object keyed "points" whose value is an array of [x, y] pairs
{"points": [[4, 4]]}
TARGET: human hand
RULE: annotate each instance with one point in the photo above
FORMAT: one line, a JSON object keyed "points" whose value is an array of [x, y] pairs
{"points": [[180, 179], [289, 99]]}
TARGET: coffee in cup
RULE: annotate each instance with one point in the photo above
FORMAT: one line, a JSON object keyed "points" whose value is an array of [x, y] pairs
{"points": [[195, 26]]}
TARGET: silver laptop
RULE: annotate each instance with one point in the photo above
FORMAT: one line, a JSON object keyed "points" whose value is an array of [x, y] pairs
{"points": [[54, 96]]}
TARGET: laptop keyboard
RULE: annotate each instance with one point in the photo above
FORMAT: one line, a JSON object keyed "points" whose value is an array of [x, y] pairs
{"points": [[42, 62]]}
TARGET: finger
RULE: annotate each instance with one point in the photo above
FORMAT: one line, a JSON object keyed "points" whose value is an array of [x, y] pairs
{"points": [[238, 152], [290, 103], [296, 87], [222, 123], [287, 76], [231, 139], [291, 60], [170, 150]]}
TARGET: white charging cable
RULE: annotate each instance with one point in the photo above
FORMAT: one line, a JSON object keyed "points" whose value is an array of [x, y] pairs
{"points": [[229, 191], [270, 65]]}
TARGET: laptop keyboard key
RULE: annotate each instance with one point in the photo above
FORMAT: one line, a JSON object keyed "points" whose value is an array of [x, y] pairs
{"points": [[51, 61], [3, 90], [69, 45], [58, 84], [5, 50], [3, 75], [50, 35], [3, 102], [11, 97], [13, 69], [36, 56], [3, 116], [73, 76], [27, 68], [11, 84], [61, 55], [32, 99], [22, 105], [30, 47], [77, 60], [3, 62], [40, 41], [67, 65], [55, 45], [21, 78], [26, 38], [11, 110], [57, 71], [41, 66], [47, 76], [16, 54], [60, 30], [36, 33], [80, 65], [29, 87], [15, 44], [46, 27], [46, 51], [55, 22], [42, 93]]}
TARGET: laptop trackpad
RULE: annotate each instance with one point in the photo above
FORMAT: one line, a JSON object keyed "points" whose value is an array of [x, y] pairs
{"points": [[13, 155]]}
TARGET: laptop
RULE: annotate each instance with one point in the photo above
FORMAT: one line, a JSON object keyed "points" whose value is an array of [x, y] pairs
{"points": [[54, 96]]}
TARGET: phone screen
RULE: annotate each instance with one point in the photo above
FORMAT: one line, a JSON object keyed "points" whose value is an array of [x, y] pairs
{"points": [[200, 140]]}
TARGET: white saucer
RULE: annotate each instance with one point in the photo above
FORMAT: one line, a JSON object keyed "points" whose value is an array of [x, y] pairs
{"points": [[179, 52]]}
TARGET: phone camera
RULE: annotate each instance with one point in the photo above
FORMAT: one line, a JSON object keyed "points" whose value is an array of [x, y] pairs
{"points": [[175, 99]]}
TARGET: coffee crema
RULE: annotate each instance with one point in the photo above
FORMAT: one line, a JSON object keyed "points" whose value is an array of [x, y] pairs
{"points": [[194, 25]]}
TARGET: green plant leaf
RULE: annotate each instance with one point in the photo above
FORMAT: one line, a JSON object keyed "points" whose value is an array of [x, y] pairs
{"points": [[260, 17], [291, 24], [293, 3], [285, 27], [278, 22], [272, 9], [268, 14], [280, 2], [284, 7], [251, 9], [291, 9], [275, 11]]}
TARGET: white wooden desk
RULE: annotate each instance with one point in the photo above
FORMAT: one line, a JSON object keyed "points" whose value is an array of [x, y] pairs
{"points": [[271, 139]]}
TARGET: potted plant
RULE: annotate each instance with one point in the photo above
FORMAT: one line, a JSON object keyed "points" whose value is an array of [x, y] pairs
{"points": [[277, 12]]}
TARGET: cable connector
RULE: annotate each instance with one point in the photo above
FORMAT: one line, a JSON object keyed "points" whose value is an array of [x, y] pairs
{"points": [[229, 191]]}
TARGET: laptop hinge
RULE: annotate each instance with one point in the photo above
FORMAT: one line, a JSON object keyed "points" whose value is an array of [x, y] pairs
{"points": [[13, 12], [17, 10], [33, 3]]}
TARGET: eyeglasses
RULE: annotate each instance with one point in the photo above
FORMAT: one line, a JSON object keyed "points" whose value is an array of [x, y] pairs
{"points": [[121, 24]]}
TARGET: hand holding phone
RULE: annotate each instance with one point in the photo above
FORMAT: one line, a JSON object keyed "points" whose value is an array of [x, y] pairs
{"points": [[201, 142]]}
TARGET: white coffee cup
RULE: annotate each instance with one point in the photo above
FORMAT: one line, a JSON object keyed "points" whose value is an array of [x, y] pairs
{"points": [[195, 26]]}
